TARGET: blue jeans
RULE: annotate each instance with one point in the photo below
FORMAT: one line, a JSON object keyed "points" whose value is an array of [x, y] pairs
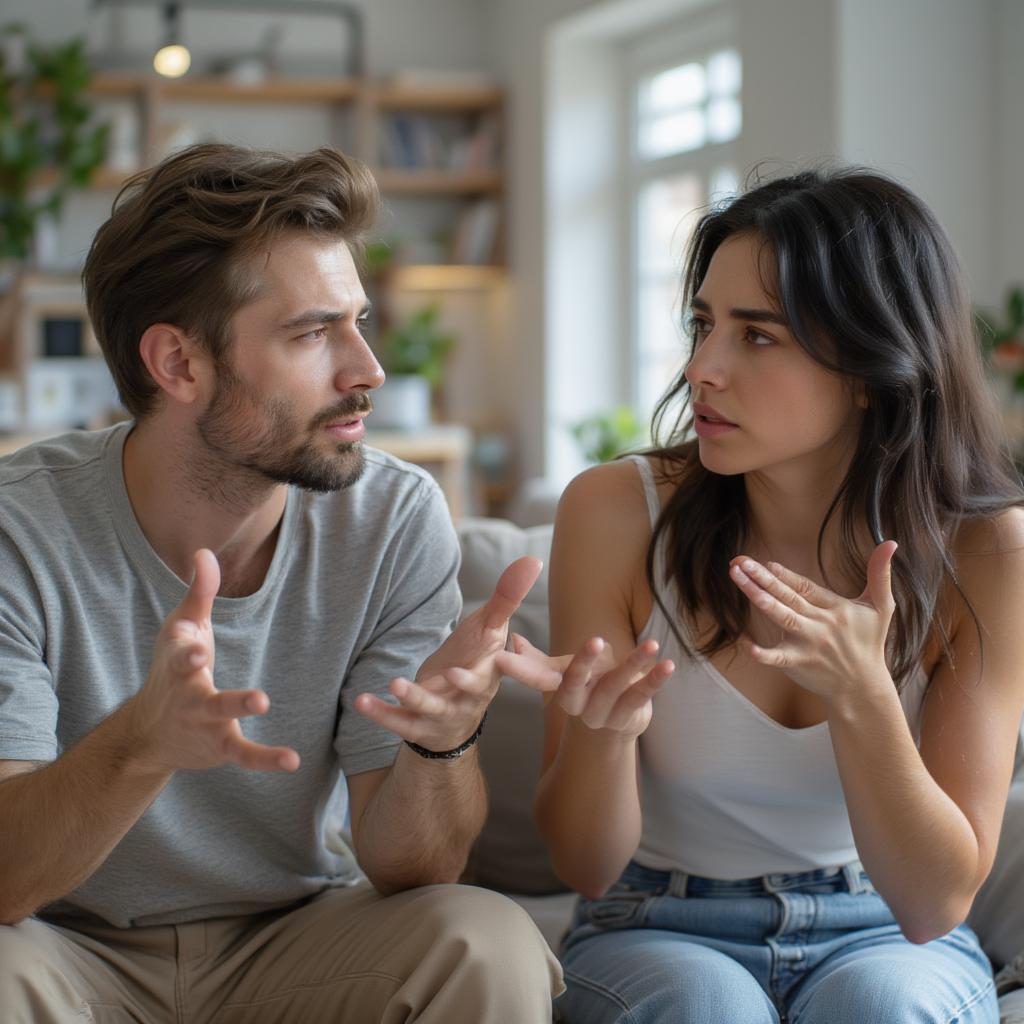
{"points": [[820, 947]]}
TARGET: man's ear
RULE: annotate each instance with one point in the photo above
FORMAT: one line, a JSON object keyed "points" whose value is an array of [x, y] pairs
{"points": [[174, 361]]}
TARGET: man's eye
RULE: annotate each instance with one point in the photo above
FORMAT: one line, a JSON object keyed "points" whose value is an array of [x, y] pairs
{"points": [[363, 322], [313, 335]]}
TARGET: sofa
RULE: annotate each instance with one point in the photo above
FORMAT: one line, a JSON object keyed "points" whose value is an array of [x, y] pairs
{"points": [[509, 855]]}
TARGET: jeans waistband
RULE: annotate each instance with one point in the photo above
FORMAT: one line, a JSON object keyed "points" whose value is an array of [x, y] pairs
{"points": [[849, 878]]}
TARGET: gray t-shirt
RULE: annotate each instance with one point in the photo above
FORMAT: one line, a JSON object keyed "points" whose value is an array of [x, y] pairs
{"points": [[362, 588]]}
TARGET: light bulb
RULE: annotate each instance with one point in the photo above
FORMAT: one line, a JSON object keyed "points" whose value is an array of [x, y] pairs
{"points": [[172, 61]]}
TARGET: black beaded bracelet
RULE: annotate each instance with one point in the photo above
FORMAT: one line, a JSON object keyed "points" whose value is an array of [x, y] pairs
{"points": [[455, 752]]}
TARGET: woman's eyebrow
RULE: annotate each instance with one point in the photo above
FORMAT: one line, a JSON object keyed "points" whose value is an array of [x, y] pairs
{"points": [[745, 313]]}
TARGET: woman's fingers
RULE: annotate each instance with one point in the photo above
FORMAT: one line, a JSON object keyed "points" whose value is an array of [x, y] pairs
{"points": [[791, 589], [639, 695], [609, 687], [879, 586], [755, 581]]}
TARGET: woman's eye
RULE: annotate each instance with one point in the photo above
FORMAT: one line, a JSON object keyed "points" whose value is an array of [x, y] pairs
{"points": [[697, 327], [757, 338]]}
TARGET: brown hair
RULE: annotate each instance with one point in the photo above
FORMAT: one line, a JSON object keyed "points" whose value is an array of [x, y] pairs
{"points": [[178, 243]]}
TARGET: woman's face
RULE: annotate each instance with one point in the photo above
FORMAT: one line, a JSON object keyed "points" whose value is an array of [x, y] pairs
{"points": [[760, 402]]}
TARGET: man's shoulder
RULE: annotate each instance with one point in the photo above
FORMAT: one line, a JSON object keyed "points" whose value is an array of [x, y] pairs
{"points": [[389, 482], [54, 458]]}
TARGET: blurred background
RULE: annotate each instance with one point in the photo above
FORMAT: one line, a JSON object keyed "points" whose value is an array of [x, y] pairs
{"points": [[541, 163]]}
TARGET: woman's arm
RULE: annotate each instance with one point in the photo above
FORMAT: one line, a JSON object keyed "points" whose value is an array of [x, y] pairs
{"points": [[926, 822], [587, 805]]}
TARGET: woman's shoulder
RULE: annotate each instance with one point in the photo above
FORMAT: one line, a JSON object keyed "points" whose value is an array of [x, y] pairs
{"points": [[626, 480], [980, 537]]}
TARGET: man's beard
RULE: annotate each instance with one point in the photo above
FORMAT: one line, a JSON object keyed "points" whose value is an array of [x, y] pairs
{"points": [[233, 431]]}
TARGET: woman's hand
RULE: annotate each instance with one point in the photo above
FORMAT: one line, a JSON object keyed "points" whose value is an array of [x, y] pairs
{"points": [[590, 686], [831, 643]]}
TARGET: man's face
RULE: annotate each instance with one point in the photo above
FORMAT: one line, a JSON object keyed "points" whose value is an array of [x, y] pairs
{"points": [[293, 387]]}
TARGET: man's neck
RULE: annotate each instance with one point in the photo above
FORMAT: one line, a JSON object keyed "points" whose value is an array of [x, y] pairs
{"points": [[185, 499]]}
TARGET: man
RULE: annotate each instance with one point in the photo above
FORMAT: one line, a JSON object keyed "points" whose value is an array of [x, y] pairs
{"points": [[171, 751]]}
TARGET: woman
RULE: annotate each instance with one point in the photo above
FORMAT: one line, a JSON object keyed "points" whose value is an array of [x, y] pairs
{"points": [[787, 817]]}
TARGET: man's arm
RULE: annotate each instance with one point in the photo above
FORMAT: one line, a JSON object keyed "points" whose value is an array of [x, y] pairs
{"points": [[59, 823], [413, 823]]}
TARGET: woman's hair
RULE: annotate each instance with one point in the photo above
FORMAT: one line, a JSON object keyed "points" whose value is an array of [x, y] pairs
{"points": [[179, 245], [872, 290]]}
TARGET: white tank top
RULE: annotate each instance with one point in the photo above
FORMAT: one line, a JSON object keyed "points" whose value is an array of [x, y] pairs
{"points": [[726, 792]]}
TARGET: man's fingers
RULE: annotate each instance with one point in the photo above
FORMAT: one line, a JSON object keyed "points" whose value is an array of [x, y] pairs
{"points": [[511, 588], [237, 703], [416, 698], [186, 652], [392, 717], [529, 671], [258, 757], [197, 604]]}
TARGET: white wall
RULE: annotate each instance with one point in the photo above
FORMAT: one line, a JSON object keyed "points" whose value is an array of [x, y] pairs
{"points": [[928, 90], [789, 85], [1008, 145], [917, 87]]}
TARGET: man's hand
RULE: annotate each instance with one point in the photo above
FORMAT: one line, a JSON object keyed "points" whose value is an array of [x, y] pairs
{"points": [[181, 720], [457, 682]]}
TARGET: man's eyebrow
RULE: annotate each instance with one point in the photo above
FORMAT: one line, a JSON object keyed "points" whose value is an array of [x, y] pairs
{"points": [[745, 313], [321, 316]]}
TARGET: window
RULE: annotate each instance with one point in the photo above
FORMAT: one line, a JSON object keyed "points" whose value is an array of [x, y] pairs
{"points": [[684, 94]]}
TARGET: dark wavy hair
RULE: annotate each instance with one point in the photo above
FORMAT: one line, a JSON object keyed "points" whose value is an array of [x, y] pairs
{"points": [[873, 291], [179, 243]]}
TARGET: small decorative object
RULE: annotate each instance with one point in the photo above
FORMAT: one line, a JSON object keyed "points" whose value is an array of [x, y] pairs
{"points": [[1002, 337], [50, 145], [61, 394], [607, 435], [413, 357]]}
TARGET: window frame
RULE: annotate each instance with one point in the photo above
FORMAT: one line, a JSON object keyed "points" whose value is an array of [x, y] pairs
{"points": [[693, 39]]}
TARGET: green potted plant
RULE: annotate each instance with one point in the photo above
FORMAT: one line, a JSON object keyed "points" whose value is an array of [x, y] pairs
{"points": [[413, 356], [48, 143], [607, 435], [1002, 338]]}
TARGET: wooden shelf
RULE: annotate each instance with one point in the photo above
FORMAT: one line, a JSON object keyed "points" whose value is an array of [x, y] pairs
{"points": [[401, 97], [271, 91], [102, 178], [439, 182], [449, 277], [213, 90]]}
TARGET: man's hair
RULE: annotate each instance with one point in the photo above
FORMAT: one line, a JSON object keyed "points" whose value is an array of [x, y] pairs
{"points": [[179, 245]]}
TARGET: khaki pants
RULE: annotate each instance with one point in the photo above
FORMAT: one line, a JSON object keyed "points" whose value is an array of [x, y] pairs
{"points": [[443, 954]]}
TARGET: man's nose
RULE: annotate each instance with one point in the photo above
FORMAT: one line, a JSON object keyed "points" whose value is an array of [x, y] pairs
{"points": [[360, 369]]}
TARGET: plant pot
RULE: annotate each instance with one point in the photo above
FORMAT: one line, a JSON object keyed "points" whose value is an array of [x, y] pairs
{"points": [[402, 402]]}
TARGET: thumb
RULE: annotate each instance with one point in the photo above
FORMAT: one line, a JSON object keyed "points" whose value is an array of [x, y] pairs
{"points": [[879, 586], [197, 604], [511, 588]]}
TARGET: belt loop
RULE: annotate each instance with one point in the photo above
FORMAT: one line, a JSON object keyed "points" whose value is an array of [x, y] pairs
{"points": [[854, 882], [678, 881]]}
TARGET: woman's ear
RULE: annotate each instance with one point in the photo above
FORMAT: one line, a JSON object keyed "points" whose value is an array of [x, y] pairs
{"points": [[174, 361]]}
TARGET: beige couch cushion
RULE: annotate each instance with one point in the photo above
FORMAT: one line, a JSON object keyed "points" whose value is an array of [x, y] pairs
{"points": [[509, 855]]}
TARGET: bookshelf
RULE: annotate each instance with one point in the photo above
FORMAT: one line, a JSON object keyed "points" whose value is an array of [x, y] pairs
{"points": [[433, 145]]}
